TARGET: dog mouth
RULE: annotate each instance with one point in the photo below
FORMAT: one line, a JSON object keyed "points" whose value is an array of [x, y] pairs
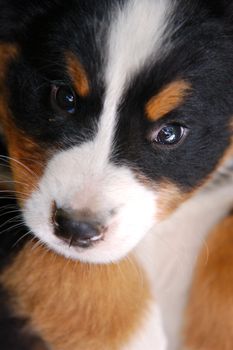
{"points": [[97, 220], [83, 243]]}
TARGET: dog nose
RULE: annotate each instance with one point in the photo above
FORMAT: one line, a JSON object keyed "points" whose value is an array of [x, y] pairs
{"points": [[76, 232]]}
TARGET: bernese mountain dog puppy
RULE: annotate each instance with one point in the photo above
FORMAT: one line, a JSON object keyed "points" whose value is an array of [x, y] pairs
{"points": [[117, 121]]}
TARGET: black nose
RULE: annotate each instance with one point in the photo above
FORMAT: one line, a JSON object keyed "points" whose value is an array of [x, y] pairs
{"points": [[77, 233]]}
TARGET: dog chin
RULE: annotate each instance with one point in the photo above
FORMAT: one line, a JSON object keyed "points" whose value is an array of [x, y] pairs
{"points": [[112, 248]]}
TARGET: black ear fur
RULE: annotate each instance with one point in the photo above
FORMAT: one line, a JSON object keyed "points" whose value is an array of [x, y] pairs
{"points": [[220, 8], [229, 13], [16, 15]]}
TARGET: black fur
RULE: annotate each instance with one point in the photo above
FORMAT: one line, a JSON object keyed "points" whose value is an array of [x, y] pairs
{"points": [[13, 233], [15, 333], [202, 55]]}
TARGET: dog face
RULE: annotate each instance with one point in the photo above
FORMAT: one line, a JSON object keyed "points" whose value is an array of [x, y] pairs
{"points": [[114, 113]]}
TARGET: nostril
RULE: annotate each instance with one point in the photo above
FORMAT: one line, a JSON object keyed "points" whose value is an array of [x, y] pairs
{"points": [[61, 220], [79, 233], [84, 229]]}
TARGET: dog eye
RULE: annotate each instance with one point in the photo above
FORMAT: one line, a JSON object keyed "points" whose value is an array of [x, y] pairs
{"points": [[64, 99], [168, 135]]}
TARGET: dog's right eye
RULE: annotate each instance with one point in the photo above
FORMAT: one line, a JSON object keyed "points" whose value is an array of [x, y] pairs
{"points": [[63, 99]]}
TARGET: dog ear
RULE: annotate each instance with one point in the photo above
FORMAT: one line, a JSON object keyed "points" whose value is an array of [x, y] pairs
{"points": [[223, 11], [228, 16], [17, 15], [220, 8], [229, 12]]}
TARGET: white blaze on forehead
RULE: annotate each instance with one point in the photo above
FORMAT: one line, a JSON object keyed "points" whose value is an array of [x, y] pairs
{"points": [[136, 36]]}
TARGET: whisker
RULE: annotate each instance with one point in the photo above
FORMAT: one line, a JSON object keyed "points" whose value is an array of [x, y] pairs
{"points": [[11, 206], [14, 182], [39, 243], [13, 192], [9, 212], [19, 163], [10, 197], [8, 206], [21, 238], [36, 161], [12, 227], [11, 220]]}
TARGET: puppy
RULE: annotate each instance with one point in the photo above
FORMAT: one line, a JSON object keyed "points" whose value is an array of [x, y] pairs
{"points": [[115, 113]]}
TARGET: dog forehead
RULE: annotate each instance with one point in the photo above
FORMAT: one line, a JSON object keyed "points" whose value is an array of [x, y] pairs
{"points": [[124, 39], [136, 34], [133, 37]]}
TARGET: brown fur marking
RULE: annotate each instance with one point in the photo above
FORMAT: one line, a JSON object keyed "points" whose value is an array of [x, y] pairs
{"points": [[170, 197], [78, 306], [171, 97], [78, 75], [27, 161], [7, 53], [209, 324]]}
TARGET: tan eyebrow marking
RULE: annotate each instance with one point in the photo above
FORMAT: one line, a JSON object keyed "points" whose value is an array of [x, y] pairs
{"points": [[78, 75], [171, 97]]}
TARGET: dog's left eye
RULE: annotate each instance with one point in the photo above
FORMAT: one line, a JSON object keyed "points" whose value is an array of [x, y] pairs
{"points": [[64, 99], [168, 134]]}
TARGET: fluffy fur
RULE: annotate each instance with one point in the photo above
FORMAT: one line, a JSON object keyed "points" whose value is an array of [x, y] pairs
{"points": [[89, 90]]}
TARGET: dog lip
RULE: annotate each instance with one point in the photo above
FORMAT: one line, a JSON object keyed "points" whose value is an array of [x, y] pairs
{"points": [[97, 238], [84, 243]]}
